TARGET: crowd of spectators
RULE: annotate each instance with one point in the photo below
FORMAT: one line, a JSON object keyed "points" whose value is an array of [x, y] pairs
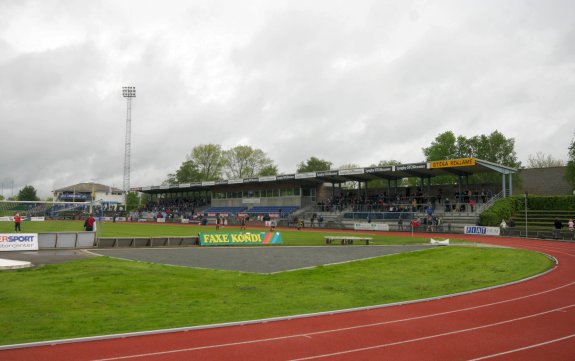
{"points": [[171, 208], [410, 200]]}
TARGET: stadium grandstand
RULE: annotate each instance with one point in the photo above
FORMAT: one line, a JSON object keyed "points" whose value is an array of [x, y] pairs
{"points": [[387, 194]]}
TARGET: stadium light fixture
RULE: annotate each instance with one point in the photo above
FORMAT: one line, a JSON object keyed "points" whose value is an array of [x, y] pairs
{"points": [[128, 92]]}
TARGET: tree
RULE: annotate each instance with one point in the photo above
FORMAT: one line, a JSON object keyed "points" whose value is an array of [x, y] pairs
{"points": [[204, 163], [209, 161], [187, 173], [28, 193], [269, 170], [133, 201], [387, 163], [314, 165], [244, 162], [539, 160], [494, 147], [443, 147], [570, 170]]}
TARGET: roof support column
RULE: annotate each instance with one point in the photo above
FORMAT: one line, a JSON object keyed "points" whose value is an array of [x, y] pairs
{"points": [[510, 184], [503, 190]]}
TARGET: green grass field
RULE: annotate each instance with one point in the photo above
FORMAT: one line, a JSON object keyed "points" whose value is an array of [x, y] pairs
{"points": [[102, 295], [291, 237]]}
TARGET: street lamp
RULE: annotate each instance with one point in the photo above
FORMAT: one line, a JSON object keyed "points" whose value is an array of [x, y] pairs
{"points": [[128, 92]]}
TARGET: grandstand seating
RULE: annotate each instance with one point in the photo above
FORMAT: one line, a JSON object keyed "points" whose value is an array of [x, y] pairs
{"points": [[267, 210], [386, 216], [225, 210]]}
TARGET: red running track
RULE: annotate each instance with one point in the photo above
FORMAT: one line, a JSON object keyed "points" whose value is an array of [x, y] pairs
{"points": [[532, 320]]}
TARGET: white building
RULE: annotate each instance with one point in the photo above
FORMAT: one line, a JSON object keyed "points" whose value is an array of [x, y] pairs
{"points": [[88, 192]]}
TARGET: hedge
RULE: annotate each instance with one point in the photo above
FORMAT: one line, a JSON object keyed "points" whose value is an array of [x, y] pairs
{"points": [[505, 208]]}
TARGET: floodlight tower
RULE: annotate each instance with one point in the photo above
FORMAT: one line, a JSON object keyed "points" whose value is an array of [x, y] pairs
{"points": [[129, 92]]}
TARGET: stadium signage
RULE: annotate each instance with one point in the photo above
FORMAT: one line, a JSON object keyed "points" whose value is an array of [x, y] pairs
{"points": [[165, 186], [483, 231], [411, 166], [208, 183], [378, 169], [222, 181], [270, 178], [285, 176], [18, 241], [252, 179], [327, 173], [305, 175], [235, 181], [462, 162], [371, 226], [351, 171], [239, 239], [183, 185]]}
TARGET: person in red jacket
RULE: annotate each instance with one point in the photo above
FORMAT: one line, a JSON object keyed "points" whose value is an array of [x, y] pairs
{"points": [[17, 220], [89, 223]]}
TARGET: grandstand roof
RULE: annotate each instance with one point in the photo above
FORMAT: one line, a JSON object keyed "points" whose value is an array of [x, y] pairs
{"points": [[87, 188], [459, 167]]}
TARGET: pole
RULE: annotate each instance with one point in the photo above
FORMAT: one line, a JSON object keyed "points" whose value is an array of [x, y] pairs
{"points": [[128, 92], [526, 234]]}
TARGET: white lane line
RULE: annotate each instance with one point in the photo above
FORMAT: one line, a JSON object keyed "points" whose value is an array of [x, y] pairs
{"points": [[524, 348], [308, 334], [429, 337]]}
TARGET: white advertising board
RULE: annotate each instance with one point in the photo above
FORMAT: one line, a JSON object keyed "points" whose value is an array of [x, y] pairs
{"points": [[371, 226], [483, 231], [18, 241]]}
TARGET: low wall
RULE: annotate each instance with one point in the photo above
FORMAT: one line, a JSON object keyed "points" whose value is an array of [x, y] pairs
{"points": [[114, 242], [55, 240]]}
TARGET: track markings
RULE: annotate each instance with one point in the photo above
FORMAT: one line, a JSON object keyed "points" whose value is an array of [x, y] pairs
{"points": [[343, 329], [432, 336]]}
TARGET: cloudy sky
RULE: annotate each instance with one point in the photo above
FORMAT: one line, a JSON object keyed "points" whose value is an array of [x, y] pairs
{"points": [[347, 81]]}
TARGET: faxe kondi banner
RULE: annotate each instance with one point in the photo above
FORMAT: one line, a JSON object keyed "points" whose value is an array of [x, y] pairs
{"points": [[240, 239]]}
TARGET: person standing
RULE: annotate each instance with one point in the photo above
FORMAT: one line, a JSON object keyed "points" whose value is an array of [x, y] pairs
{"points": [[558, 225], [570, 225], [17, 220], [89, 223]]}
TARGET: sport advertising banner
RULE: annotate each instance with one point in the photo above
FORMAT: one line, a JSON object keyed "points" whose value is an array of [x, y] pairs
{"points": [[18, 241], [483, 231], [240, 239], [371, 226]]}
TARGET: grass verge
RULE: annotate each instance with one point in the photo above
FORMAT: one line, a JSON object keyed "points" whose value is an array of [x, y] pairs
{"points": [[101, 295]]}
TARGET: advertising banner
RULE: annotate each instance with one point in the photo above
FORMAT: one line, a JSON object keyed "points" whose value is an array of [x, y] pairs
{"points": [[371, 226], [18, 241], [483, 231], [240, 239], [462, 162]]}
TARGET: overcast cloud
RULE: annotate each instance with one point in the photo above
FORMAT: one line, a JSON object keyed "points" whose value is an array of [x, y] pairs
{"points": [[347, 81]]}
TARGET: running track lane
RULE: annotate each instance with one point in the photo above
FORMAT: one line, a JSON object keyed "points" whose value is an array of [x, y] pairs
{"points": [[533, 320]]}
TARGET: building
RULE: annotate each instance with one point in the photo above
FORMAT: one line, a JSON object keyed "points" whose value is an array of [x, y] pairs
{"points": [[88, 192]]}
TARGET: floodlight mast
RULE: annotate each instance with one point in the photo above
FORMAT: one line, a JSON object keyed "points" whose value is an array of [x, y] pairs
{"points": [[128, 92]]}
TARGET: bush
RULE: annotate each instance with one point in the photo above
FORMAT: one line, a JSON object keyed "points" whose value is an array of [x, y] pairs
{"points": [[507, 207]]}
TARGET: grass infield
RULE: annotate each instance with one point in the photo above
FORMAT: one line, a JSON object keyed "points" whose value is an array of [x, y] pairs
{"points": [[102, 295]]}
